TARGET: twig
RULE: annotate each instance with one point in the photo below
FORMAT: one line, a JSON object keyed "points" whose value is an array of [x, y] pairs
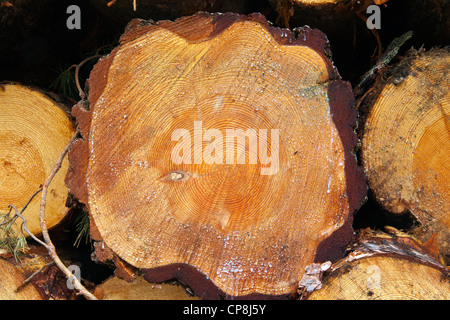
{"points": [[374, 32], [19, 243], [16, 214], [49, 245], [77, 73], [24, 226], [110, 3]]}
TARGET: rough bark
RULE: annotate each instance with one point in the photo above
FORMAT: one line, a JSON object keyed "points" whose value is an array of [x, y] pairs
{"points": [[233, 229]]}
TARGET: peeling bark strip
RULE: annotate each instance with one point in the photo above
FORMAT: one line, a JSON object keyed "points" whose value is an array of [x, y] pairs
{"points": [[220, 228]]}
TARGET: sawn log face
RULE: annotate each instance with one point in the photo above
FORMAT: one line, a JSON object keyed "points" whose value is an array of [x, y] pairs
{"points": [[249, 227]]}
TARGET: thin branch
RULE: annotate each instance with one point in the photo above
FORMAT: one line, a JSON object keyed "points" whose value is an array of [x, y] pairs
{"points": [[9, 220], [77, 73], [29, 201], [12, 242], [374, 32], [24, 226], [45, 186], [49, 245], [16, 212], [19, 214]]}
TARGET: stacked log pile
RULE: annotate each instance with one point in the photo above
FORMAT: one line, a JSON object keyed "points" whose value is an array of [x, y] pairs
{"points": [[218, 155]]}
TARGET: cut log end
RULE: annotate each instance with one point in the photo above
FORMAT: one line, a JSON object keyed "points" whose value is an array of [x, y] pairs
{"points": [[385, 266], [140, 289], [11, 279], [225, 150], [34, 130], [406, 141]]}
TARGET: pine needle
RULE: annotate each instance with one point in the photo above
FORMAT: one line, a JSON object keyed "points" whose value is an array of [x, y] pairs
{"points": [[9, 240], [83, 229], [65, 83]]}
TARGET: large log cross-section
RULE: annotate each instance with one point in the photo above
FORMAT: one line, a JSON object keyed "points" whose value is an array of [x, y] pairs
{"points": [[218, 150]]}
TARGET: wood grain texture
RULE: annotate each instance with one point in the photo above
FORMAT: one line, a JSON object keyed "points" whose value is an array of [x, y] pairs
{"points": [[399, 279], [406, 142], [34, 129], [118, 289], [10, 280], [387, 266], [245, 232]]}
